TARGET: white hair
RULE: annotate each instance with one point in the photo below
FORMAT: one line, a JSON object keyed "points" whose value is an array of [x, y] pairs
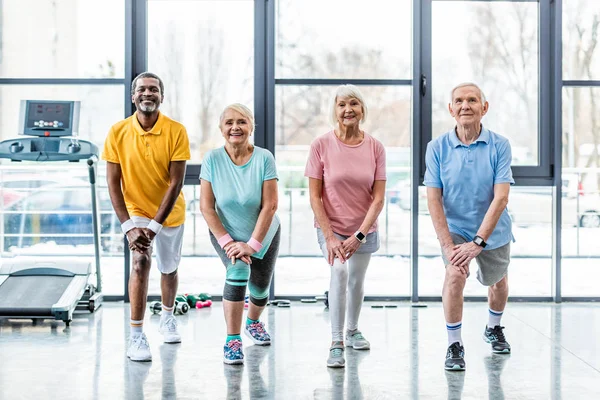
{"points": [[352, 92], [242, 109], [464, 84]]}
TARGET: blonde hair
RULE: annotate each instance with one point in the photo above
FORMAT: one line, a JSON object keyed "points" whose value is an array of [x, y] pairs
{"points": [[242, 109], [465, 84], [352, 92]]}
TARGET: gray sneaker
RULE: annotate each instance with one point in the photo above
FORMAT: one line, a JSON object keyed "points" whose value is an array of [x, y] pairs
{"points": [[336, 356], [357, 341]]}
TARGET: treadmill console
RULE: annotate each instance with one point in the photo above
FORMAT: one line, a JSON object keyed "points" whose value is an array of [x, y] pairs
{"points": [[48, 122], [49, 118]]}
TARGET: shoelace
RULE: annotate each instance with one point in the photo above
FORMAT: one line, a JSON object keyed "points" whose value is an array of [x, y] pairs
{"points": [[171, 324], [234, 345], [258, 326], [140, 340], [455, 352], [358, 336], [336, 352], [499, 334]]}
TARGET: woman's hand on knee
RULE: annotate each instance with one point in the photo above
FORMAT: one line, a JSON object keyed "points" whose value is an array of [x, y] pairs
{"points": [[239, 249], [335, 248], [350, 246]]}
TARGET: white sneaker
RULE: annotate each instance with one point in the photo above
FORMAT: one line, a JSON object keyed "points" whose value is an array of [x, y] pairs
{"points": [[139, 349], [168, 327]]}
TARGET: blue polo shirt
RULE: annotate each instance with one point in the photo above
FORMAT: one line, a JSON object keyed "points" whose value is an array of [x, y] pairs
{"points": [[467, 175]]}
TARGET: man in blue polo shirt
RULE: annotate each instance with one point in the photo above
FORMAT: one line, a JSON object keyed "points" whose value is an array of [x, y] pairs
{"points": [[468, 179]]}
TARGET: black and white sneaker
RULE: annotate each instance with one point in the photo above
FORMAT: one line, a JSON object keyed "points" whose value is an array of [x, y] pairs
{"points": [[496, 338], [455, 357]]}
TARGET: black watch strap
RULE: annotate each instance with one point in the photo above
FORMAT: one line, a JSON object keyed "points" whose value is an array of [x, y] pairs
{"points": [[478, 240]]}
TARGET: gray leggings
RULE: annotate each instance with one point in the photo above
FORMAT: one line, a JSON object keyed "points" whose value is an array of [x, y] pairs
{"points": [[257, 275]]}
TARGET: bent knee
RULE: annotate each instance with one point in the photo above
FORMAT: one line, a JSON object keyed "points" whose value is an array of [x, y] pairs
{"points": [[238, 273], [454, 276], [141, 261]]}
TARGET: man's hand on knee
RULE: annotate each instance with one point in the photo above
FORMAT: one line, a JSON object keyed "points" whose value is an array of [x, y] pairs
{"points": [[138, 240], [461, 269]]}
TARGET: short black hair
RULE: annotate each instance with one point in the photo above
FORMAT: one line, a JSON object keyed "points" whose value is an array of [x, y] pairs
{"points": [[148, 75]]}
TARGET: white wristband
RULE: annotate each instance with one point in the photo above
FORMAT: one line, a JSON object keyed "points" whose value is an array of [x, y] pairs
{"points": [[127, 226], [154, 227]]}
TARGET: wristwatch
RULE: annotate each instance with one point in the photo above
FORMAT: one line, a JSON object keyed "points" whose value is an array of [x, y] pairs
{"points": [[360, 236], [478, 240]]}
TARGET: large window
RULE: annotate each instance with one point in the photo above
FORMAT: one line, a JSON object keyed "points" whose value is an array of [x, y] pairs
{"points": [[339, 49], [62, 39], [580, 191], [204, 52], [343, 39], [580, 149], [494, 44]]}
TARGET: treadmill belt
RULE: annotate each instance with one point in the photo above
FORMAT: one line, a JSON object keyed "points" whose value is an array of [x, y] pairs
{"points": [[31, 295]]}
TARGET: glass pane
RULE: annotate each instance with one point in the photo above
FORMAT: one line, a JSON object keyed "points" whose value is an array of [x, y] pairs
{"points": [[500, 53], [49, 215], [62, 39], [303, 113], [204, 63], [580, 191], [581, 56], [530, 270], [101, 107], [343, 39]]}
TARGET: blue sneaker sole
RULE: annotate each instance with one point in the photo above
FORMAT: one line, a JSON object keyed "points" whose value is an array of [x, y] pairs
{"points": [[455, 368]]}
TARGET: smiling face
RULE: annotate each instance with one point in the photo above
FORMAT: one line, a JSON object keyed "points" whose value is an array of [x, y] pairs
{"points": [[235, 127], [467, 107], [348, 111], [147, 96]]}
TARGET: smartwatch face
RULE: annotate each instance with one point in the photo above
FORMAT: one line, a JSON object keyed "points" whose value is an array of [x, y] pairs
{"points": [[360, 236], [478, 241]]}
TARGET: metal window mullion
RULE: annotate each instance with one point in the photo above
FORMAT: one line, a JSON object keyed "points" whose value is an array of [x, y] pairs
{"points": [[421, 132], [264, 82], [556, 85], [580, 83], [335, 81], [60, 81]]}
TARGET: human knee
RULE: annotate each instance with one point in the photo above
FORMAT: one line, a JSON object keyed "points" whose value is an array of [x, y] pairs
{"points": [[171, 275], [500, 286], [339, 271], [259, 292], [455, 278], [141, 261]]}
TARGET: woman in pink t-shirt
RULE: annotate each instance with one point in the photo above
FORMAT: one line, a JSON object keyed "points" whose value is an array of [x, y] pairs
{"points": [[346, 171]]}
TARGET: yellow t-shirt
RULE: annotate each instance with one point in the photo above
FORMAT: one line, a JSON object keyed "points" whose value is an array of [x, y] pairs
{"points": [[145, 158]]}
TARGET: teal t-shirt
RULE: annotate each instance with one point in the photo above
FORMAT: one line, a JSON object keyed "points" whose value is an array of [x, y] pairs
{"points": [[238, 192]]}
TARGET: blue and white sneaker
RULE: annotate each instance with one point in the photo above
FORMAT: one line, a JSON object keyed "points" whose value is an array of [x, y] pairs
{"points": [[495, 337], [257, 332], [233, 353]]}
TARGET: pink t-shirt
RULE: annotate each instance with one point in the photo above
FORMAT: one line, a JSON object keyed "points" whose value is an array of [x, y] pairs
{"points": [[348, 174]]}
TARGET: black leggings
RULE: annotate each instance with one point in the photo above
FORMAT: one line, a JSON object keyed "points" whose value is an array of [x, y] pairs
{"points": [[256, 276]]}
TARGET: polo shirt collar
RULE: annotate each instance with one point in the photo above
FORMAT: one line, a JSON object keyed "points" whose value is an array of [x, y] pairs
{"points": [[484, 137], [155, 129]]}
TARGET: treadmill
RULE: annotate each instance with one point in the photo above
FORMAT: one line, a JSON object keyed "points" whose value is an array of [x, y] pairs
{"points": [[37, 288]]}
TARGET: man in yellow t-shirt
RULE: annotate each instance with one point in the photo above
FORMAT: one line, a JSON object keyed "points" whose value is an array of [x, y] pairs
{"points": [[146, 156]]}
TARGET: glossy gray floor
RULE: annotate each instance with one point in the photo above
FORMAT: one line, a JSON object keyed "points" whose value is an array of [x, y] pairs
{"points": [[556, 355]]}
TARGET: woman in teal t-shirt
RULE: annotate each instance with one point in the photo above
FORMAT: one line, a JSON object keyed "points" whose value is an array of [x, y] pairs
{"points": [[238, 201]]}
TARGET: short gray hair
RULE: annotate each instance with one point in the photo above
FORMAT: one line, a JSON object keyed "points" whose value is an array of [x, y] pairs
{"points": [[464, 84], [352, 92], [147, 75], [242, 109]]}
